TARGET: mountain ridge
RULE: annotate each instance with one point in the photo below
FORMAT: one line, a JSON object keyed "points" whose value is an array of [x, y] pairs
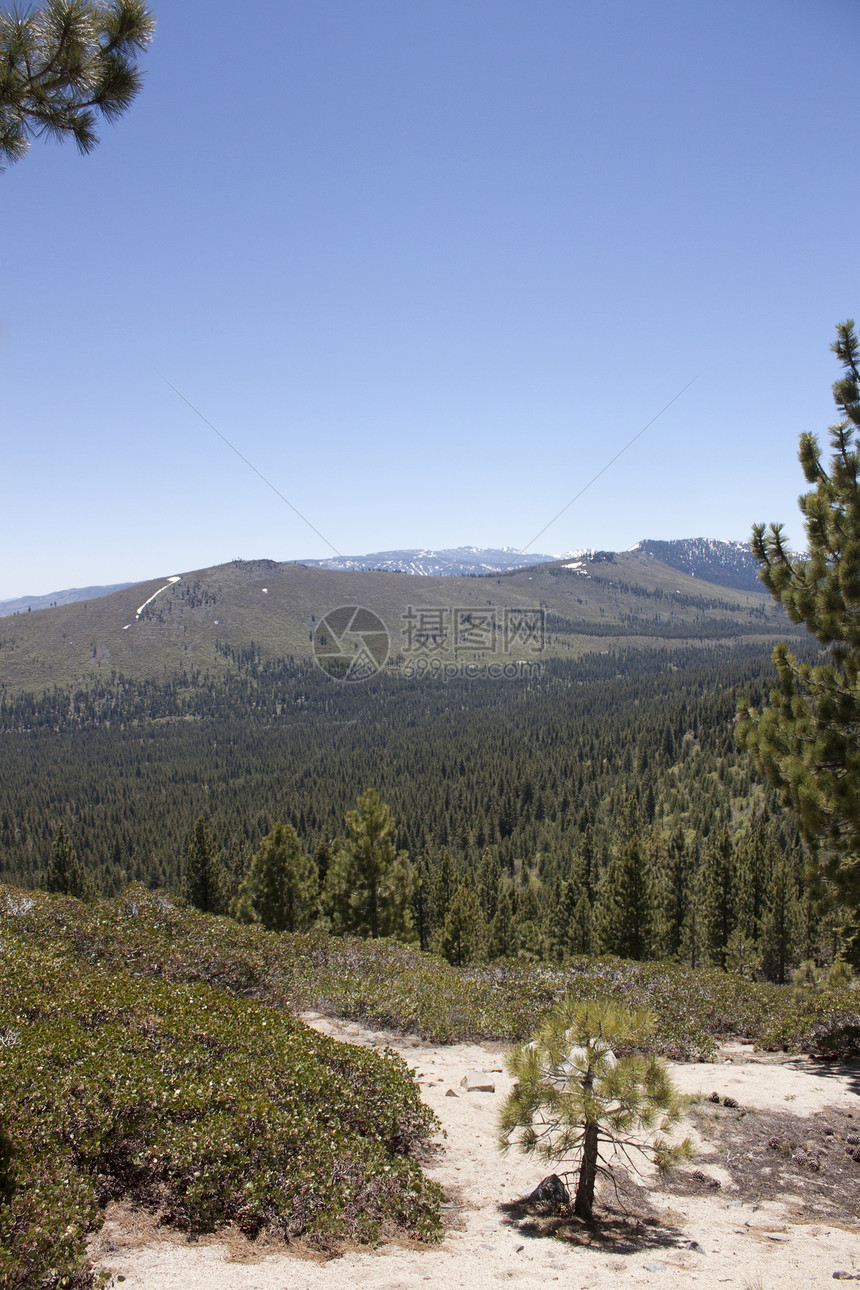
{"points": [[210, 621], [722, 563]]}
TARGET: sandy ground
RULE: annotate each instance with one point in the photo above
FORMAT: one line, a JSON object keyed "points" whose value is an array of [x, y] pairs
{"points": [[727, 1236]]}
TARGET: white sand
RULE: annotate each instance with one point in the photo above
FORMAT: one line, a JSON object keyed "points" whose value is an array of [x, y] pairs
{"points": [[741, 1245]]}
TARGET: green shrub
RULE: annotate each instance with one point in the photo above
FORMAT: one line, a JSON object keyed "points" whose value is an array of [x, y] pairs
{"points": [[152, 1052], [184, 1097]]}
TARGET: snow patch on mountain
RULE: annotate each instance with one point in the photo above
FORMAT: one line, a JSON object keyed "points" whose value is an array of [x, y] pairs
{"points": [[449, 562]]}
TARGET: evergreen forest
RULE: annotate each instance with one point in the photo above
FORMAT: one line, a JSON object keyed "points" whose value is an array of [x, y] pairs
{"points": [[602, 806]]}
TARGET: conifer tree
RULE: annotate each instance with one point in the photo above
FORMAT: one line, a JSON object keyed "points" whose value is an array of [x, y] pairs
{"points": [[582, 930], [584, 867], [204, 880], [324, 857], [677, 876], [421, 910], [369, 885], [574, 1100], [444, 882], [781, 923], [63, 62], [279, 891], [489, 883], [718, 896], [807, 740], [559, 923], [464, 936], [691, 947], [66, 875], [625, 903], [527, 924], [501, 940]]}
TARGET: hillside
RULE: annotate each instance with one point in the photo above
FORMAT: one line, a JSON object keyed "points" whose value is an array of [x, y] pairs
{"points": [[153, 1058], [203, 619], [726, 564], [27, 604]]}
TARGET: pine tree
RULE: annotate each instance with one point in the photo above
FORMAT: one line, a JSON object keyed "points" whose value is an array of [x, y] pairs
{"points": [[691, 949], [582, 930], [559, 923], [279, 891], [584, 867], [444, 881], [807, 740], [677, 875], [528, 924], [489, 883], [718, 894], [572, 1096], [421, 911], [781, 923], [66, 875], [369, 885], [63, 62], [464, 936], [501, 941], [625, 903], [204, 881]]}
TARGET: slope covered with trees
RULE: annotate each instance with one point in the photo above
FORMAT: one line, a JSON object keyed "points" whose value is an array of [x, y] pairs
{"points": [[602, 806]]}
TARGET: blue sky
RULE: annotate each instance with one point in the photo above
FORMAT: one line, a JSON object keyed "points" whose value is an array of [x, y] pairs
{"points": [[429, 264]]}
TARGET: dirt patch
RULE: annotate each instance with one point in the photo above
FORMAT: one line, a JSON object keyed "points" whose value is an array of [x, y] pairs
{"points": [[809, 1163], [127, 1228]]}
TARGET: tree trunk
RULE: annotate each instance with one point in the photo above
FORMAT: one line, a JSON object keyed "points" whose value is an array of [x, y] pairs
{"points": [[584, 1202]]}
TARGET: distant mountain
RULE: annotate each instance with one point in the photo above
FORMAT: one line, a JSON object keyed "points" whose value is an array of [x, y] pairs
{"points": [[212, 621], [726, 564], [451, 562], [22, 604]]}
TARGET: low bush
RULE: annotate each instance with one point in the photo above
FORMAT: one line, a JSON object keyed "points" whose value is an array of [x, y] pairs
{"points": [[825, 1023], [151, 1052], [183, 1097]]}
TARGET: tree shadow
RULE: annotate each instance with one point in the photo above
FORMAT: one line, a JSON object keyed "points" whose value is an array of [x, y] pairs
{"points": [[846, 1070], [624, 1222]]}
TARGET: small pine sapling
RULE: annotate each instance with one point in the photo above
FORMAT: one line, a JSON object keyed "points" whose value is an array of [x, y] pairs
{"points": [[575, 1100]]}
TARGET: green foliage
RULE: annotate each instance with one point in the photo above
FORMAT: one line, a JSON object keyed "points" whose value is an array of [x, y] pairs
{"points": [[279, 890], [390, 984], [61, 63], [369, 886], [806, 741], [7, 1168], [581, 1091], [204, 879], [160, 1086], [824, 1021], [141, 762], [500, 940], [66, 876], [151, 1042], [464, 936], [626, 902]]}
